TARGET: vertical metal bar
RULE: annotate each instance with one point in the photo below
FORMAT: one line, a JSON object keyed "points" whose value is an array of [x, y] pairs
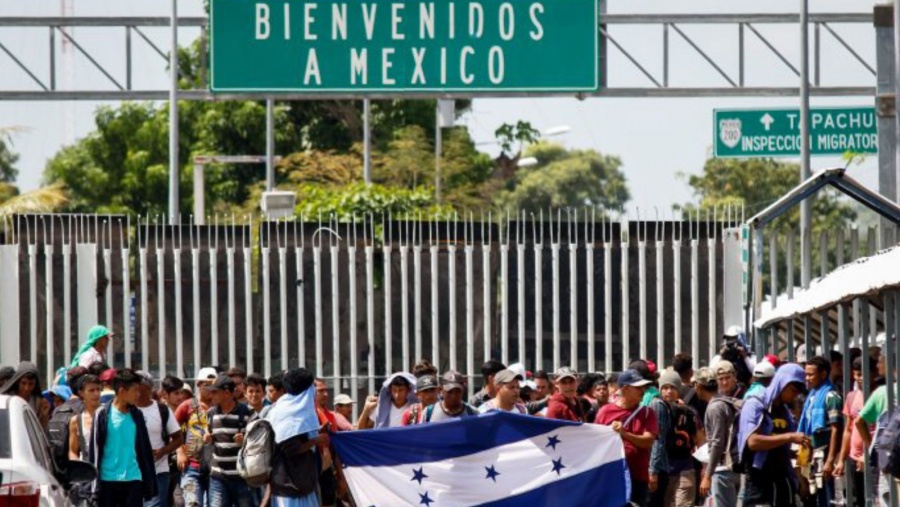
{"points": [[53, 56], [607, 301], [816, 53], [486, 294], [232, 302], [854, 254], [433, 250], [451, 292], [773, 269], [179, 315], [823, 270], [67, 297], [520, 293], [145, 309], [161, 305], [626, 306], [660, 298], [367, 141], [695, 299], [417, 298], [438, 150], [270, 145], [301, 303], [248, 298], [204, 35], [127, 57], [404, 304], [805, 205], [199, 194], [676, 290], [538, 306], [573, 302], [32, 300], [665, 43], [642, 294], [470, 316], [867, 379], [48, 297], [264, 251], [554, 283], [789, 258], [712, 295], [127, 301], [791, 341], [317, 277], [370, 312], [388, 332], [197, 333], [741, 55], [504, 303], [282, 305], [214, 296], [351, 279], [336, 318], [174, 215]]}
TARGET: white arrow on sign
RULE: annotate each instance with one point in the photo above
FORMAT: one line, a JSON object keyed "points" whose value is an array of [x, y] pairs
{"points": [[767, 121]]}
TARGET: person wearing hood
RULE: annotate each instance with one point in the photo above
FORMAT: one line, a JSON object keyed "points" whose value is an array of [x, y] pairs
{"points": [[6, 373], [821, 421], [26, 384], [766, 433], [386, 410], [94, 349]]}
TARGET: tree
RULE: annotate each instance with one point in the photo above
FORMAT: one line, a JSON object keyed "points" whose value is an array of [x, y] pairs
{"points": [[757, 183], [8, 159], [566, 178]]}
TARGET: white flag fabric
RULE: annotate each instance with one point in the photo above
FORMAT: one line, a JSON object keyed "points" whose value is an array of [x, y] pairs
{"points": [[496, 459]]}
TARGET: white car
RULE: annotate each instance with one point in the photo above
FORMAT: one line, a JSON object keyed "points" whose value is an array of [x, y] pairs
{"points": [[28, 475]]}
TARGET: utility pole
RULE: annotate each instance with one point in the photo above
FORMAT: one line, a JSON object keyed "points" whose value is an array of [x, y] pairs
{"points": [[886, 39], [438, 141], [270, 144], [367, 141], [173, 121], [805, 205]]}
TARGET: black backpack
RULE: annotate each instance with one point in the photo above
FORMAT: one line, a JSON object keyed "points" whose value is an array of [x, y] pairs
{"points": [[58, 430], [681, 438]]}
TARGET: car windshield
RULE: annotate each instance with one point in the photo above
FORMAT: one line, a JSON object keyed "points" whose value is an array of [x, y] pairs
{"points": [[5, 445]]}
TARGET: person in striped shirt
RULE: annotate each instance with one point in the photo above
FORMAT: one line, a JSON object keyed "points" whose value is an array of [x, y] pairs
{"points": [[227, 421]]}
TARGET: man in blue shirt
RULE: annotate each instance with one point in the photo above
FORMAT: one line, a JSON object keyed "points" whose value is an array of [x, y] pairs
{"points": [[121, 448], [821, 421]]}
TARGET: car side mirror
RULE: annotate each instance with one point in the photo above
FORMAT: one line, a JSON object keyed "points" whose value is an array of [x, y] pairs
{"points": [[80, 472]]}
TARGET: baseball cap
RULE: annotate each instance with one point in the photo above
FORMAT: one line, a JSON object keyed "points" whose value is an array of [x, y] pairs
{"points": [[453, 380], [206, 374], [724, 367], [63, 392], [146, 378], [631, 378], [764, 369], [565, 372], [343, 399], [705, 377], [506, 376], [187, 388], [670, 378], [425, 382], [222, 382], [518, 369], [773, 360]]}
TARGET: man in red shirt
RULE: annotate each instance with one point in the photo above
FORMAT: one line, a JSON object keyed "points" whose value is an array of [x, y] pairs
{"points": [[327, 478], [563, 404], [638, 428]]}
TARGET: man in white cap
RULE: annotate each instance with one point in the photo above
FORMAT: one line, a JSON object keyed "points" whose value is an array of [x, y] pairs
{"points": [[506, 383], [762, 377], [343, 411]]}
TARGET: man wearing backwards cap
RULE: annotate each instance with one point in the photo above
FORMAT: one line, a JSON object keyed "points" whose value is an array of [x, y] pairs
{"points": [[638, 428], [717, 477], [563, 404], [506, 383], [93, 350], [762, 377]]}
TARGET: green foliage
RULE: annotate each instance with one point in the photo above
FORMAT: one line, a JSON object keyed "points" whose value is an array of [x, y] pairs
{"points": [[757, 183], [521, 133], [360, 200], [566, 178], [8, 159]]}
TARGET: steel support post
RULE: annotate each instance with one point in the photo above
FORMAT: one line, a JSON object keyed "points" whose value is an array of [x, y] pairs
{"points": [[173, 119], [885, 56], [805, 209]]}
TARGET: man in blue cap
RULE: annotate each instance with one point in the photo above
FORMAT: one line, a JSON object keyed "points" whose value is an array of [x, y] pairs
{"points": [[93, 350]]}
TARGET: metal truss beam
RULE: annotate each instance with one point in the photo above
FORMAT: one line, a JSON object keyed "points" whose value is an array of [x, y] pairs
{"points": [[658, 82]]}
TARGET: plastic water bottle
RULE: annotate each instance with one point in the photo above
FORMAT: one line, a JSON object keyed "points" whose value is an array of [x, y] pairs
{"points": [[839, 486]]}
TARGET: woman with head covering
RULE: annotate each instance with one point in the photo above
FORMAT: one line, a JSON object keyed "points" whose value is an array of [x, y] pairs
{"points": [[26, 384], [92, 351]]}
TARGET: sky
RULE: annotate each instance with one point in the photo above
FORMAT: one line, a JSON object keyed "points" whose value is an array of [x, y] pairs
{"points": [[659, 141]]}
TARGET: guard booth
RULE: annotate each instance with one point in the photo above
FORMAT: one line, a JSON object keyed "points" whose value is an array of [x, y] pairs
{"points": [[855, 305]]}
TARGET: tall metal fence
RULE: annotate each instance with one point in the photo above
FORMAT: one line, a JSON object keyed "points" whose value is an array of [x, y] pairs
{"points": [[357, 299]]}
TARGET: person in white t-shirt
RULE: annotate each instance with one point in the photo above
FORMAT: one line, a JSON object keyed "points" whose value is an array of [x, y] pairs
{"points": [[165, 437], [386, 410], [507, 399], [93, 349]]}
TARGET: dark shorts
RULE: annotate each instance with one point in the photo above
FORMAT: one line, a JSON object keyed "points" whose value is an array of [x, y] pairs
{"points": [[328, 487]]}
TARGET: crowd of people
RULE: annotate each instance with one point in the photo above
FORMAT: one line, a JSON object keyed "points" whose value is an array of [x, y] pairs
{"points": [[739, 432]]}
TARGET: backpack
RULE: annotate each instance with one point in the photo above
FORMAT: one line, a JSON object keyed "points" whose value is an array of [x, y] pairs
{"points": [[194, 433], [58, 430], [887, 443], [257, 454], [681, 438], [732, 455], [429, 411]]}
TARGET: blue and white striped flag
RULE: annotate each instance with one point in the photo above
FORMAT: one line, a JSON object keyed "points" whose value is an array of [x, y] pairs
{"points": [[497, 459]]}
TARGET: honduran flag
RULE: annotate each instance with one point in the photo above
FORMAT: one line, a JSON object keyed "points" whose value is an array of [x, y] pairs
{"points": [[497, 459]]}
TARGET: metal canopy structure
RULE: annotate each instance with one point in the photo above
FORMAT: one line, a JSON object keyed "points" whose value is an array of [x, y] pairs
{"points": [[658, 70]]}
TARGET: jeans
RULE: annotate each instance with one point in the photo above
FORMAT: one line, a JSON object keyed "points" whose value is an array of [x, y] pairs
{"points": [[723, 489], [193, 487], [162, 492], [121, 494], [229, 492]]}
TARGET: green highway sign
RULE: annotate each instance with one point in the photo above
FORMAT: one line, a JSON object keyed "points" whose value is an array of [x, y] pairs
{"points": [[404, 46], [776, 132]]}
